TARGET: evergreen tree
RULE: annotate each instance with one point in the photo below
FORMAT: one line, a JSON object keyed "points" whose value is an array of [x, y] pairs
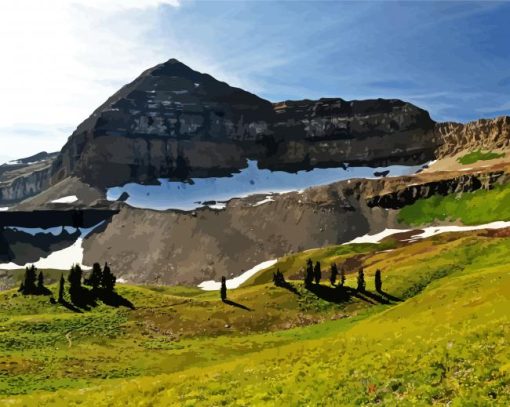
{"points": [[361, 280], [96, 276], [317, 274], [61, 288], [40, 281], [342, 276], [334, 273], [223, 290], [378, 281], [108, 279], [309, 273], [29, 286], [74, 279]]}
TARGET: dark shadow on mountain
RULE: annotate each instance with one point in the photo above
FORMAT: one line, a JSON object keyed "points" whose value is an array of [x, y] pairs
{"points": [[114, 299], [235, 304], [390, 297]]}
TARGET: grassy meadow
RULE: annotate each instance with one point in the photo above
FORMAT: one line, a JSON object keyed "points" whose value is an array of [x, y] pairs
{"points": [[437, 334]]}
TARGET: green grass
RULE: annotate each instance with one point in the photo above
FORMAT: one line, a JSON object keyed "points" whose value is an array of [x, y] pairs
{"points": [[478, 155], [446, 344], [471, 208]]}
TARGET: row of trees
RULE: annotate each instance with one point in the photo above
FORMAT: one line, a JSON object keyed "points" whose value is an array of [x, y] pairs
{"points": [[99, 279], [314, 274], [33, 282]]}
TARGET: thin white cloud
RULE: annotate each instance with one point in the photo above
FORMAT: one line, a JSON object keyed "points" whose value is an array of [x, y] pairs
{"points": [[61, 59], [504, 107]]}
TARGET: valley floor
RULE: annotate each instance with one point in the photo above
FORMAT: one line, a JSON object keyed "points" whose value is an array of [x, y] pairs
{"points": [[436, 334]]}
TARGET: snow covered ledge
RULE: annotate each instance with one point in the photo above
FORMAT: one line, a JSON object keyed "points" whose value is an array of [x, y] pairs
{"points": [[66, 199], [235, 282]]}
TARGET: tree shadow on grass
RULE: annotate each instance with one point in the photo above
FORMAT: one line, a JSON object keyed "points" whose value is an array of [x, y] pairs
{"points": [[290, 287], [83, 298], [337, 295], [340, 294], [390, 297], [114, 299], [70, 306], [235, 304]]}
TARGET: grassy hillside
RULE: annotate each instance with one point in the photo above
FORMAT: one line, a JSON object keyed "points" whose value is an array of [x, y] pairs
{"points": [[438, 335], [471, 208], [479, 155]]}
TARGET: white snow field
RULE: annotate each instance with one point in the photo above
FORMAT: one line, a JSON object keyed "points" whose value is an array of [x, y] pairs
{"points": [[249, 181]]}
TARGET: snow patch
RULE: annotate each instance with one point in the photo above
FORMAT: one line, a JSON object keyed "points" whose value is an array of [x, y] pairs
{"points": [[423, 233], [251, 180], [60, 259], [66, 199], [267, 199], [235, 282], [4, 208]]}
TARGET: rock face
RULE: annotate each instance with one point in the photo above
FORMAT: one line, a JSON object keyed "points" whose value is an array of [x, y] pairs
{"points": [[484, 134], [407, 194], [24, 178], [175, 122]]}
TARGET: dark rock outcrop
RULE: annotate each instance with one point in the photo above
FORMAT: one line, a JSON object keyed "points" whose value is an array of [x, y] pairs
{"points": [[407, 194]]}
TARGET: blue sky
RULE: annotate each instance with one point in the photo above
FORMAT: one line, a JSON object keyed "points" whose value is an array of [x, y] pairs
{"points": [[451, 58]]}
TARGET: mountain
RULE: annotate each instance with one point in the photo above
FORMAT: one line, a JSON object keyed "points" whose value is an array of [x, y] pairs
{"points": [[174, 122]]}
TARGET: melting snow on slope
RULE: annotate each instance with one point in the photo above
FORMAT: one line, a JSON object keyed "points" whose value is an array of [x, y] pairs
{"points": [[66, 199], [235, 282], [266, 200], [423, 233], [251, 180], [60, 259]]}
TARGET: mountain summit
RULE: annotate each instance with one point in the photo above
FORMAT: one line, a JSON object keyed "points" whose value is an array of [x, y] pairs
{"points": [[175, 122]]}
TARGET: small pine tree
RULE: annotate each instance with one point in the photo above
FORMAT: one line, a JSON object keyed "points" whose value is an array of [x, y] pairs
{"points": [[40, 281], [223, 289], [309, 273], [334, 273], [29, 286], [342, 276], [317, 274], [361, 280], [108, 279], [96, 276], [74, 279], [378, 281], [61, 288]]}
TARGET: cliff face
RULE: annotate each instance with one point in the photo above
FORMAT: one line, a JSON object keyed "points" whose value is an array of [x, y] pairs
{"points": [[484, 134], [25, 178], [175, 122]]}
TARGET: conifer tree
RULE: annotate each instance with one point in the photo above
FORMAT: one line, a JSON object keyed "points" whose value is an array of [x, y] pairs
{"points": [[378, 281], [96, 276], [61, 288], [317, 274], [40, 281], [74, 279], [223, 290], [309, 273], [361, 280], [342, 276], [108, 279], [29, 286], [334, 273]]}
